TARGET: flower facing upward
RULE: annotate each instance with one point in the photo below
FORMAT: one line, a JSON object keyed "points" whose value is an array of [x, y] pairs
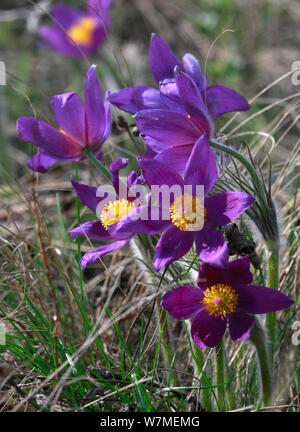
{"points": [[190, 218], [74, 33], [80, 128], [224, 295]]}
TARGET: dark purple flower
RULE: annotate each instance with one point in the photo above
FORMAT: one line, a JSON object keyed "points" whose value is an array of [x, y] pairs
{"points": [[111, 207], [172, 118], [182, 227], [225, 295], [80, 128], [74, 33]]}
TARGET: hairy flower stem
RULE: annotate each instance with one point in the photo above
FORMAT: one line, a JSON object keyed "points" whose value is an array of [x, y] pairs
{"points": [[166, 343], [259, 339], [273, 281], [90, 155], [205, 393], [220, 376]]}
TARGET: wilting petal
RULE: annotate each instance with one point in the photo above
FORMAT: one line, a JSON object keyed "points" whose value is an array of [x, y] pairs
{"points": [[159, 174], [94, 107], [225, 207], [237, 273], [53, 142], [183, 302], [93, 230], [221, 100], [211, 247], [240, 325], [201, 168], [172, 245], [162, 59], [88, 195], [69, 115], [137, 98], [175, 157], [170, 128], [41, 162], [260, 300], [207, 330], [93, 256], [193, 68]]}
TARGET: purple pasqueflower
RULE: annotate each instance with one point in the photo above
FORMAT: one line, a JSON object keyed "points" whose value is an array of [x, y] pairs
{"points": [[80, 128], [224, 295], [74, 33], [111, 206], [182, 228], [172, 118]]}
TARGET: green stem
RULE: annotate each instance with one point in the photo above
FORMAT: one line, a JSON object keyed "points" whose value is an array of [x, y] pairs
{"points": [[220, 376], [259, 338], [205, 393], [273, 282], [166, 343], [98, 164]]}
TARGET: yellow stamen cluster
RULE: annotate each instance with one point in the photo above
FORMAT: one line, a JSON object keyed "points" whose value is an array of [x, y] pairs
{"points": [[115, 211], [82, 32], [220, 300], [188, 213]]}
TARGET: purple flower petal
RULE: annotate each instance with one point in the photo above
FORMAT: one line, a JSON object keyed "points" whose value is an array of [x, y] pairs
{"points": [[65, 15], [193, 102], [211, 247], [207, 330], [237, 273], [169, 128], [183, 302], [201, 168], [52, 141], [137, 98], [221, 100], [176, 157], [162, 59], [41, 162], [159, 174], [57, 40], [115, 167], [93, 256], [88, 195], [193, 68], [70, 116], [94, 108], [93, 230], [225, 207], [170, 96], [240, 325], [261, 300], [172, 245]]}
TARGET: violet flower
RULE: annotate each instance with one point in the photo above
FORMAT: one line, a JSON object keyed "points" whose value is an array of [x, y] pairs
{"points": [[80, 128], [172, 118], [224, 295], [179, 231], [110, 212], [74, 33]]}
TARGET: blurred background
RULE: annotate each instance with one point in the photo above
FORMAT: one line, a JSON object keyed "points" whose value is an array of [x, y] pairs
{"points": [[247, 45]]}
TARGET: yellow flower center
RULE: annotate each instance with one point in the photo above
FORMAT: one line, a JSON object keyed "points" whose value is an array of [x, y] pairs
{"points": [[82, 32], [220, 300], [188, 213], [115, 211]]}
